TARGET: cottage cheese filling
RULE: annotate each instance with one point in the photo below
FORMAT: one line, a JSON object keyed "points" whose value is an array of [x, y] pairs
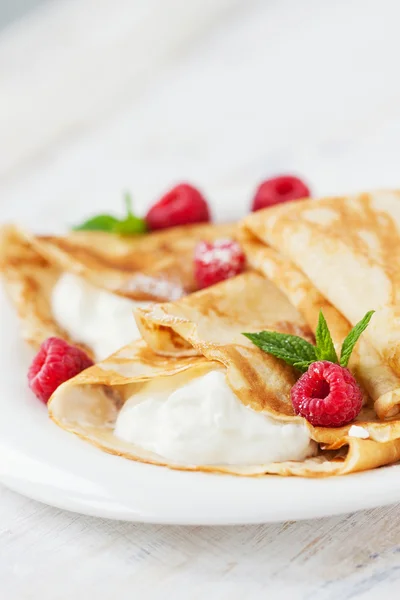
{"points": [[101, 320], [204, 423]]}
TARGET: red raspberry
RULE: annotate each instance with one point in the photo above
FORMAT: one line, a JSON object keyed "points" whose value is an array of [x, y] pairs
{"points": [[327, 395], [216, 261], [277, 190], [180, 206], [55, 363]]}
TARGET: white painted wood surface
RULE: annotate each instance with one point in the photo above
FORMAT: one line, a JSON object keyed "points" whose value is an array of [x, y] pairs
{"points": [[97, 96]]}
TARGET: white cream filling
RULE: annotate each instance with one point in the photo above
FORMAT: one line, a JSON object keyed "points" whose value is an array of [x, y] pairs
{"points": [[204, 423], [101, 320]]}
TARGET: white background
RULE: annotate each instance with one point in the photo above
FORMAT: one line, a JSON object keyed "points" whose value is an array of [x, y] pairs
{"points": [[99, 96]]}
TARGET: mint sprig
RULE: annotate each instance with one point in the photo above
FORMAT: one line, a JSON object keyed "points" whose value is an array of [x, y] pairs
{"points": [[324, 349], [299, 353], [129, 225]]}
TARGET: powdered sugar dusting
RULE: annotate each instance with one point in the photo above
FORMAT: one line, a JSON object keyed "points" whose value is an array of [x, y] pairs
{"points": [[223, 250], [222, 255], [217, 261], [158, 287]]}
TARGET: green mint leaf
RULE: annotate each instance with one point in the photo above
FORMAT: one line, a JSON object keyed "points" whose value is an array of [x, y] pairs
{"points": [[325, 350], [130, 225], [292, 349], [99, 223], [352, 338], [292, 343]]}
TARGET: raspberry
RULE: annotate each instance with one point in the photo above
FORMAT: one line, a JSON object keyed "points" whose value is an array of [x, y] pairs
{"points": [[277, 190], [180, 206], [55, 363], [327, 395], [216, 261]]}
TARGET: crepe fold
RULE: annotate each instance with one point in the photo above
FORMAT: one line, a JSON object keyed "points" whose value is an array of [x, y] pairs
{"points": [[346, 250], [152, 267], [199, 333]]}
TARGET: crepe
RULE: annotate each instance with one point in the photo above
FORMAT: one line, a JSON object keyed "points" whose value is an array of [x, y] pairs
{"points": [[349, 250], [379, 381], [203, 332], [152, 267]]}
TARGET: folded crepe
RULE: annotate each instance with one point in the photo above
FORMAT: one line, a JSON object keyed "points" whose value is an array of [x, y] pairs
{"points": [[132, 269], [199, 334], [153, 266], [379, 381], [348, 249]]}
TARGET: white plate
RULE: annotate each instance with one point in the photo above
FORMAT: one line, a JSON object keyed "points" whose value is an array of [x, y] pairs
{"points": [[45, 463]]}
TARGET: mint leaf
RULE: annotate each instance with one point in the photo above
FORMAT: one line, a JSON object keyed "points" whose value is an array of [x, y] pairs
{"points": [[352, 338], [325, 350], [99, 223], [290, 343], [292, 349], [130, 225]]}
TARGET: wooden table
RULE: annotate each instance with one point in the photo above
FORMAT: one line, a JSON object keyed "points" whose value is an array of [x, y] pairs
{"points": [[99, 96]]}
